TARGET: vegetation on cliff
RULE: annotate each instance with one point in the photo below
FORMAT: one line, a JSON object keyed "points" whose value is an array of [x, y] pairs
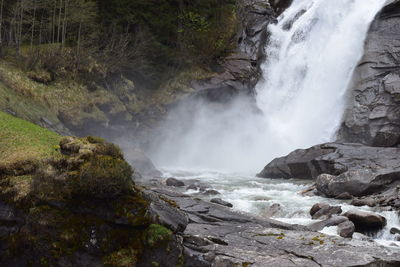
{"points": [[71, 201], [81, 64]]}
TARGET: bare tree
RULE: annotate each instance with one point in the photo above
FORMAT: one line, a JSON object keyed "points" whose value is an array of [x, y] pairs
{"points": [[1, 22], [59, 21], [33, 22]]}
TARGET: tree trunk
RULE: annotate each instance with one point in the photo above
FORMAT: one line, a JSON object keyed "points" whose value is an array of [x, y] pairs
{"points": [[1, 23], [181, 33], [33, 23], [19, 38], [53, 34], [64, 29], [78, 46], [40, 29], [1, 28], [59, 21]]}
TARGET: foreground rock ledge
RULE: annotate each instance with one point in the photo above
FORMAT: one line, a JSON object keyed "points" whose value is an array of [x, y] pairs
{"points": [[218, 236]]}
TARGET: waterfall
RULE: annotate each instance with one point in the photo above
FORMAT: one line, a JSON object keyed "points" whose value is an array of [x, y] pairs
{"points": [[312, 53]]}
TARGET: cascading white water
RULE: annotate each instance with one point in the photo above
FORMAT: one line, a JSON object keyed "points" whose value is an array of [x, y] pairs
{"points": [[312, 53], [311, 56]]}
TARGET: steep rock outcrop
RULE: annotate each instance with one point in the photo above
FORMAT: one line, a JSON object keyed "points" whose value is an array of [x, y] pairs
{"points": [[280, 5], [241, 70], [373, 112]]}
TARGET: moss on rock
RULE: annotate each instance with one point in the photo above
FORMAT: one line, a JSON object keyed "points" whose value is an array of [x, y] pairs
{"points": [[103, 177], [78, 199], [157, 235]]}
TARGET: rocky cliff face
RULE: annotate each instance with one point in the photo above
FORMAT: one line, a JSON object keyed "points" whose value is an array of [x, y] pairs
{"points": [[240, 71], [373, 112]]}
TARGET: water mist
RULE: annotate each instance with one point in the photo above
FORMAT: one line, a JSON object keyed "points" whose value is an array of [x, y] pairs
{"points": [[312, 53]]}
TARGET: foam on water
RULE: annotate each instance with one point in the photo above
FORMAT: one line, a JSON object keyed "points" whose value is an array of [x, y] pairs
{"points": [[255, 195]]}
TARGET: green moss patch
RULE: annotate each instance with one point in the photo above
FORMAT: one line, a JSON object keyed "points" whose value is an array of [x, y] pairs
{"points": [[157, 235], [24, 141]]}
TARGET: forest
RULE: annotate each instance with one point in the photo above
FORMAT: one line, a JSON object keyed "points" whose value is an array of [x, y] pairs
{"points": [[97, 38]]}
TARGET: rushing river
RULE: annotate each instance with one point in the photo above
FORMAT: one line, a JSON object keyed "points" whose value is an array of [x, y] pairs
{"points": [[254, 195], [311, 55]]}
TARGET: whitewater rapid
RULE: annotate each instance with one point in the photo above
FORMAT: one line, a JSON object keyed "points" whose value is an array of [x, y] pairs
{"points": [[256, 195]]}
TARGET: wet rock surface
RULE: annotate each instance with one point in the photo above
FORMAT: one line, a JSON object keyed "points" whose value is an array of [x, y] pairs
{"points": [[241, 70], [221, 202], [272, 210], [372, 114], [327, 212], [346, 229], [394, 231], [341, 168], [143, 165], [366, 221], [332, 221], [174, 182], [218, 236]]}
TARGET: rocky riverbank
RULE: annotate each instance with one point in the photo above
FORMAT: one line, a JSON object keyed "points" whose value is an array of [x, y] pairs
{"points": [[218, 236]]}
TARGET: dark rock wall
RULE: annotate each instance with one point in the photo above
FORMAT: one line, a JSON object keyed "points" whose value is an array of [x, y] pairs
{"points": [[241, 70], [373, 112]]}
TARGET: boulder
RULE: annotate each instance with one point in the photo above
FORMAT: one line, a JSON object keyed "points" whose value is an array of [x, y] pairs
{"points": [[310, 191], [340, 168], [346, 229], [367, 201], [366, 221], [394, 231], [300, 164], [272, 210], [174, 182], [221, 202], [141, 163], [355, 182], [162, 212], [327, 212], [211, 192], [316, 207], [344, 196], [196, 185], [332, 221]]}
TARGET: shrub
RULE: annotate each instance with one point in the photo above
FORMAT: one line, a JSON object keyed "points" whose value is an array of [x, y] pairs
{"points": [[110, 150], [49, 184], [103, 177], [157, 235]]}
